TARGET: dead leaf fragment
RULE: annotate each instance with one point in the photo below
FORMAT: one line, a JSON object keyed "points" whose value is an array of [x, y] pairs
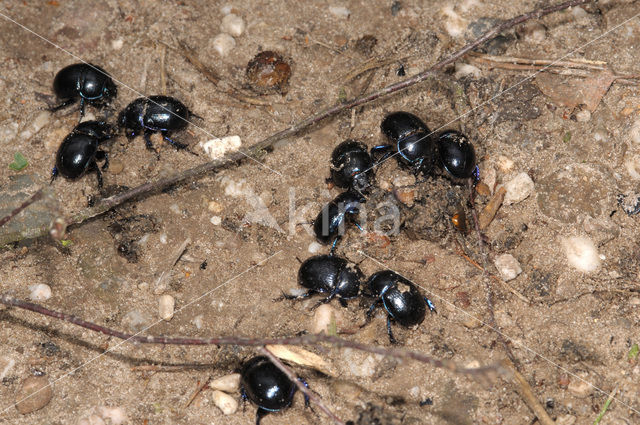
{"points": [[301, 357], [571, 92]]}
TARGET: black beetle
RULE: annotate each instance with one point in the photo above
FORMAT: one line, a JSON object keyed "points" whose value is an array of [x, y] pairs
{"points": [[79, 151], [351, 166], [267, 386], [412, 144], [329, 274], [331, 220], [400, 297], [154, 114], [90, 83], [457, 155]]}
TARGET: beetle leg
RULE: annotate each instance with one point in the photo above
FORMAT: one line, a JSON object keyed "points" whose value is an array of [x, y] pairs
{"points": [[333, 245], [175, 144], [260, 413], [324, 301], [294, 297], [343, 302], [102, 155], [306, 397], [64, 104], [392, 340], [82, 104], [54, 174], [385, 150], [432, 307], [372, 308], [94, 167], [148, 143]]}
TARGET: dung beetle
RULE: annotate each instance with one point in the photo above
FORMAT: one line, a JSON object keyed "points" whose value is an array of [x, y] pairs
{"points": [[155, 114], [456, 155], [351, 166], [400, 297], [79, 151], [88, 82], [329, 225], [267, 386], [329, 274], [411, 142]]}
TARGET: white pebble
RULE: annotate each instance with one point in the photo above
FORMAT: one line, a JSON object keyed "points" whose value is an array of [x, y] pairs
{"points": [[42, 119], [175, 208], [464, 69], [232, 25], [360, 364], [580, 388], [116, 415], [40, 292], [91, 420], [216, 220], [217, 148], [223, 44], [117, 44], [225, 402], [228, 383], [163, 238], [508, 267], [197, 321], [583, 116], [504, 164], [581, 253], [166, 304], [632, 165], [489, 176], [226, 9], [414, 392], [634, 133], [340, 11], [314, 248], [322, 319], [454, 24], [518, 189]]}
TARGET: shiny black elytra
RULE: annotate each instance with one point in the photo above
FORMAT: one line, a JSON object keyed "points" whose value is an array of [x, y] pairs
{"points": [[330, 222], [89, 83], [329, 274], [456, 155], [351, 166], [411, 142], [400, 297], [155, 114], [267, 386], [79, 151]]}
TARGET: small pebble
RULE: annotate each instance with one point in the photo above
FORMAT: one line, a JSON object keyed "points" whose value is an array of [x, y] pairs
{"points": [[340, 11], [532, 32], [405, 195], [454, 24], [518, 189], [360, 364], [323, 317], [166, 305], [634, 301], [634, 133], [175, 208], [632, 165], [143, 286], [504, 164], [217, 148], [226, 9], [580, 388], [508, 267], [225, 402], [117, 44], [414, 392], [565, 420], [314, 247], [116, 166], [197, 321], [116, 415], [91, 420], [268, 71], [40, 292], [216, 220], [34, 393], [223, 44], [228, 383], [471, 322], [233, 25], [583, 116], [466, 70], [215, 207], [163, 238], [581, 253], [41, 120]]}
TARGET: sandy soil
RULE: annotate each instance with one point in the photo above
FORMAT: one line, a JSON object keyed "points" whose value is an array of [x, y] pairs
{"points": [[578, 328]]}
